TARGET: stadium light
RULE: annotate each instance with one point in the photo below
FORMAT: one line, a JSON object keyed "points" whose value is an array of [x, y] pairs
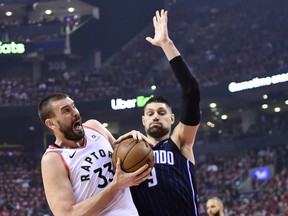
{"points": [[48, 12], [224, 117], [264, 106], [277, 109], [71, 9], [8, 13]]}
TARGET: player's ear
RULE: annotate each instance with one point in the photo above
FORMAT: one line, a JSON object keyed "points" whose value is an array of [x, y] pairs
{"points": [[143, 120], [172, 118], [50, 123]]}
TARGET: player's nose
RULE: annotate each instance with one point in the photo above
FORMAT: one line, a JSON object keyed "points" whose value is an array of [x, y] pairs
{"points": [[155, 117], [76, 113]]}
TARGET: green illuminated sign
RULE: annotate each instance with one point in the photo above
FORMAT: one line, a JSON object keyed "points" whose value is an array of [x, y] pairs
{"points": [[12, 48], [119, 103], [141, 100]]}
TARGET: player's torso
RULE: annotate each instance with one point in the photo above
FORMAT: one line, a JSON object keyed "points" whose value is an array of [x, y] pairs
{"points": [[90, 170], [170, 189]]}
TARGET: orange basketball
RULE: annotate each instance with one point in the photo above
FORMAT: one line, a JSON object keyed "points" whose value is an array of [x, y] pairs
{"points": [[133, 154]]}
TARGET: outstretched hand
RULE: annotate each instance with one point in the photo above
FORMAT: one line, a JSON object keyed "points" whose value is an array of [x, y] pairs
{"points": [[161, 31]]}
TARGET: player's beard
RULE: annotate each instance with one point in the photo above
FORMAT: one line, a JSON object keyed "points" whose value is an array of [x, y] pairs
{"points": [[68, 132], [157, 132]]}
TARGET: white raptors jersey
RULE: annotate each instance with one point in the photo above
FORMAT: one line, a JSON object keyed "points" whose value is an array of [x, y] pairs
{"points": [[90, 170]]}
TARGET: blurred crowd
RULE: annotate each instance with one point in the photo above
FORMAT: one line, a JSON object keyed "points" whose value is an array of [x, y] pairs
{"points": [[231, 129], [221, 41], [215, 174], [21, 189]]}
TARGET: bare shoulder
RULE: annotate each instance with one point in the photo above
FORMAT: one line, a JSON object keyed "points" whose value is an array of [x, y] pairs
{"points": [[48, 157], [52, 166], [93, 123], [51, 159], [96, 125]]}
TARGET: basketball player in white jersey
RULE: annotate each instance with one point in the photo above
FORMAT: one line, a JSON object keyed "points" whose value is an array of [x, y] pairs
{"points": [[77, 169]]}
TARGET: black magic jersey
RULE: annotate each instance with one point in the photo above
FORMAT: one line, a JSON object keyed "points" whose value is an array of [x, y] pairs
{"points": [[171, 188]]}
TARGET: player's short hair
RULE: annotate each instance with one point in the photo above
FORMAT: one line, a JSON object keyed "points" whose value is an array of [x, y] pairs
{"points": [[157, 99], [44, 108], [217, 199]]}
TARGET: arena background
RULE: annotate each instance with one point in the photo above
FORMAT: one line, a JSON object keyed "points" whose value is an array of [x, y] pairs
{"points": [[98, 54]]}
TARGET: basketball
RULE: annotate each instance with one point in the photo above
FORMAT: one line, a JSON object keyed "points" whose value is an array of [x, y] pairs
{"points": [[133, 154]]}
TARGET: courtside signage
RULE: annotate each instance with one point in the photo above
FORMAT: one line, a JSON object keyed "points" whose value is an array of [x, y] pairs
{"points": [[11, 48], [258, 82], [120, 104]]}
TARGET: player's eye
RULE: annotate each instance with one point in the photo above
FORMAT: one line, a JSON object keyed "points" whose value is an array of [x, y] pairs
{"points": [[65, 110]]}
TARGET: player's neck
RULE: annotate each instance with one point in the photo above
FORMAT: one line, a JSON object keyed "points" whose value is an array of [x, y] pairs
{"points": [[154, 140], [70, 143]]}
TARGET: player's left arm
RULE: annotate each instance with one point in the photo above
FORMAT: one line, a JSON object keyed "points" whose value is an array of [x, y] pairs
{"points": [[185, 132]]}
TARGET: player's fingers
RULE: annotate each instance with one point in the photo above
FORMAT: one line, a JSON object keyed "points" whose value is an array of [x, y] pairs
{"points": [[157, 16], [164, 15], [118, 164], [137, 135], [147, 140], [145, 173], [140, 170], [140, 136], [149, 39], [143, 176], [154, 21], [132, 133], [118, 140], [162, 12]]}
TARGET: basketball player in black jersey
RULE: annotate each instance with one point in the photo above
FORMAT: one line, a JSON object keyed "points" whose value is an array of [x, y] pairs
{"points": [[170, 190]]}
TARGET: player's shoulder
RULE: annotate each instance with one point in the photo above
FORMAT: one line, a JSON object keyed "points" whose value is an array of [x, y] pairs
{"points": [[93, 123], [50, 158]]}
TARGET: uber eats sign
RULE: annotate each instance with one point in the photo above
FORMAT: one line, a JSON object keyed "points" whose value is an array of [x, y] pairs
{"points": [[120, 104], [11, 48]]}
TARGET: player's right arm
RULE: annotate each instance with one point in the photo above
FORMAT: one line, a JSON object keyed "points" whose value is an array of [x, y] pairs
{"points": [[59, 192]]}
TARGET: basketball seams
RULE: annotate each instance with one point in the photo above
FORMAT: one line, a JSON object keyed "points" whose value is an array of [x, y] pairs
{"points": [[128, 152], [145, 158], [115, 152], [114, 158]]}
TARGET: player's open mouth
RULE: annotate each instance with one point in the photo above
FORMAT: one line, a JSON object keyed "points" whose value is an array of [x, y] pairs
{"points": [[77, 125]]}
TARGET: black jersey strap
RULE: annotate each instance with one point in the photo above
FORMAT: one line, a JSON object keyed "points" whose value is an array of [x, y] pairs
{"points": [[190, 107]]}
